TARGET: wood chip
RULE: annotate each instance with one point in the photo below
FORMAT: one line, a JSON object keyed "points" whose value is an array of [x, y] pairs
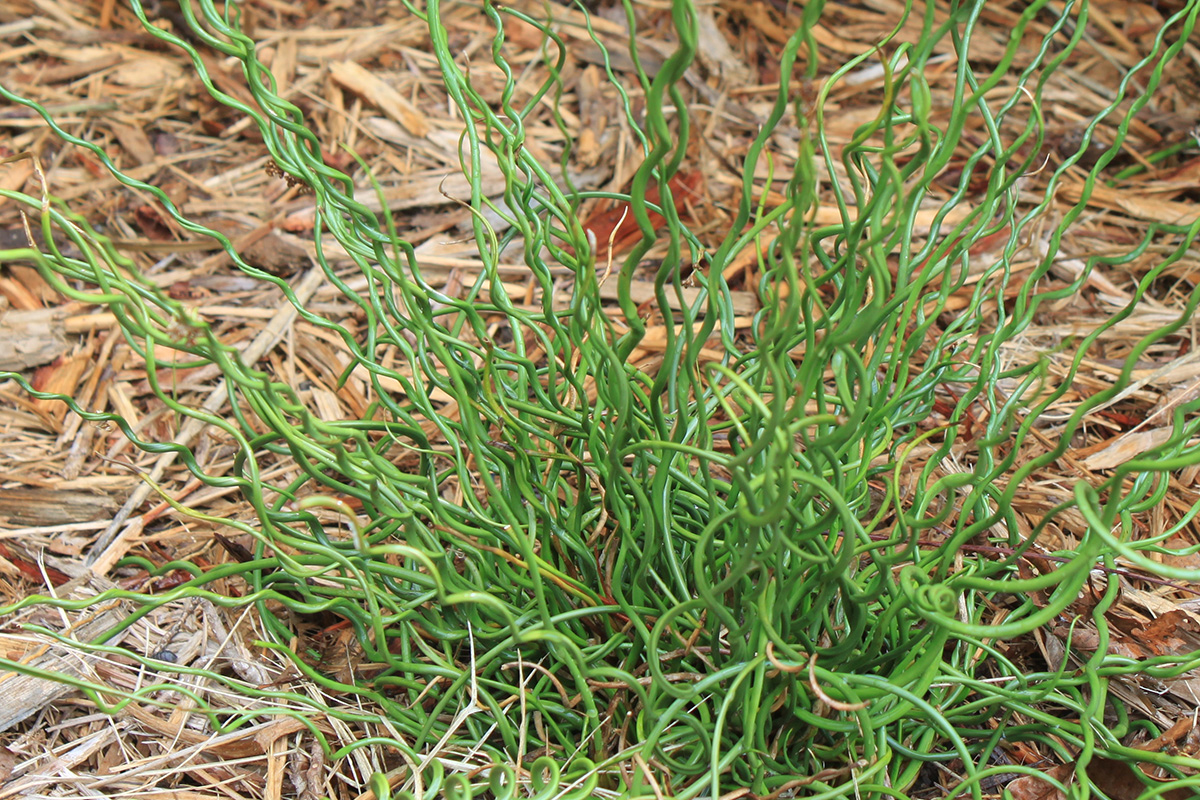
{"points": [[25, 695], [371, 88], [31, 338]]}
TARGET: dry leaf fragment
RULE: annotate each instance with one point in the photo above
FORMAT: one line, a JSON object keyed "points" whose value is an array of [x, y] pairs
{"points": [[1117, 779], [1173, 633], [135, 142], [1032, 787]]}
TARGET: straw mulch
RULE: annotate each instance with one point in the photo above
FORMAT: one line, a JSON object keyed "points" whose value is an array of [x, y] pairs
{"points": [[363, 75]]}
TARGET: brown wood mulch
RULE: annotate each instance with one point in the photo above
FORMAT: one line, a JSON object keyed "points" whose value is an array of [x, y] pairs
{"points": [[363, 74]]}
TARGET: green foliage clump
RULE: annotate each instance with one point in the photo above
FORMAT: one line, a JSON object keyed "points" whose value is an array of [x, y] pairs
{"points": [[732, 569]]}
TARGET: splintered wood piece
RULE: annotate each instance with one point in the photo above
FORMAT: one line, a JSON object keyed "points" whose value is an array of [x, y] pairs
{"points": [[31, 338], [26, 695], [357, 79], [36, 507]]}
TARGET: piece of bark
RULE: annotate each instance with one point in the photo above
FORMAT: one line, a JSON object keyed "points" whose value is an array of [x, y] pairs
{"points": [[26, 695], [38, 507], [31, 338]]}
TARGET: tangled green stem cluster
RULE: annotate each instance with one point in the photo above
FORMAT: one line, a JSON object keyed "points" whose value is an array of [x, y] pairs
{"points": [[710, 564]]}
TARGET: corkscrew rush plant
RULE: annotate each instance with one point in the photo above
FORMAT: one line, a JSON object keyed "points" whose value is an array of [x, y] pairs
{"points": [[737, 556]]}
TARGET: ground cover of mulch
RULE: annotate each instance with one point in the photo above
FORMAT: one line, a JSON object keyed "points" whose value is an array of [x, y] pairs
{"points": [[72, 499]]}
